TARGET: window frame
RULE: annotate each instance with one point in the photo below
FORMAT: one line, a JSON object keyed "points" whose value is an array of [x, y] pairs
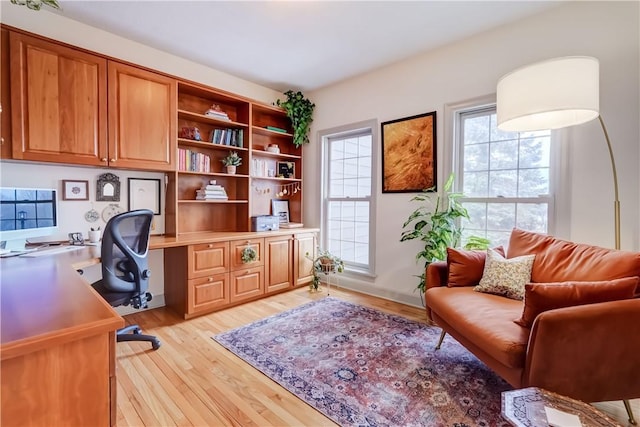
{"points": [[453, 160], [325, 137]]}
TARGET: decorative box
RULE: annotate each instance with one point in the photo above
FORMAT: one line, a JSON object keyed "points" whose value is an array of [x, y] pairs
{"points": [[265, 223]]}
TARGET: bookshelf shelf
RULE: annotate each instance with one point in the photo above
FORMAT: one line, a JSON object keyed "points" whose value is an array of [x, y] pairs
{"points": [[209, 145], [261, 153], [269, 132], [188, 115]]}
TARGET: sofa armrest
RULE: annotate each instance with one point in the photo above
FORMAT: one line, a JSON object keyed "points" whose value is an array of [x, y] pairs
{"points": [[436, 274], [588, 352]]}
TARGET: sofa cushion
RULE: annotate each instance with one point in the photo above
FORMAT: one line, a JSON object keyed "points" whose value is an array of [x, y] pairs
{"points": [[505, 277], [540, 297], [486, 320], [466, 267], [561, 261]]}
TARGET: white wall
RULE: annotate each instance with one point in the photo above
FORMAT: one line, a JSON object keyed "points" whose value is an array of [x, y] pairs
{"points": [[469, 69]]}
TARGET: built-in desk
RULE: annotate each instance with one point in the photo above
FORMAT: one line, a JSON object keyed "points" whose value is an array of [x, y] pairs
{"points": [[57, 336]]}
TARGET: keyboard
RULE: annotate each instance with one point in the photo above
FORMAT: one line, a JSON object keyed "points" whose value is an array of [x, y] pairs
{"points": [[51, 251]]}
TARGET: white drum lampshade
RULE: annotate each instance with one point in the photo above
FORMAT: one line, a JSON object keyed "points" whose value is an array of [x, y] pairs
{"points": [[551, 94]]}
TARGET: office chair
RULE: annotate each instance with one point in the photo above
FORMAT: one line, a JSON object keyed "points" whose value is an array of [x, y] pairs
{"points": [[125, 272]]}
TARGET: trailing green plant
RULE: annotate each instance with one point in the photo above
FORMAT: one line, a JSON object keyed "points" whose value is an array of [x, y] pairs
{"points": [[232, 159], [324, 263], [300, 110], [37, 4], [438, 227]]}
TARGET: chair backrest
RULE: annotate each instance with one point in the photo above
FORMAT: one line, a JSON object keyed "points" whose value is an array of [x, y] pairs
{"points": [[125, 246]]}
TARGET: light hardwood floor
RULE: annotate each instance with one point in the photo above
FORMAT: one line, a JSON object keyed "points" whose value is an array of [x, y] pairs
{"points": [[193, 381]]}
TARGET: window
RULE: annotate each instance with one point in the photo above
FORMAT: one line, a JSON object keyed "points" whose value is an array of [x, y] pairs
{"points": [[504, 176], [348, 156]]}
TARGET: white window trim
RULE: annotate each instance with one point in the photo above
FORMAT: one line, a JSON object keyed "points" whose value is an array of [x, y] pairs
{"points": [[559, 186], [323, 137]]}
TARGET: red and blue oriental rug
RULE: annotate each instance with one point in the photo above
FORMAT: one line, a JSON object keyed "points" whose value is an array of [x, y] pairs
{"points": [[362, 367]]}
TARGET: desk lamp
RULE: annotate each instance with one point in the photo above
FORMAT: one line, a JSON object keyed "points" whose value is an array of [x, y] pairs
{"points": [[553, 94]]}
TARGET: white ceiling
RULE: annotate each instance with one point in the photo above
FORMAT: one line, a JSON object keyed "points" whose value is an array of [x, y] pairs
{"points": [[301, 45]]}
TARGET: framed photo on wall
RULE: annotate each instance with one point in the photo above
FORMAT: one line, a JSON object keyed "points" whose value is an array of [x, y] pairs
{"points": [[75, 189], [409, 154], [144, 193], [280, 208]]}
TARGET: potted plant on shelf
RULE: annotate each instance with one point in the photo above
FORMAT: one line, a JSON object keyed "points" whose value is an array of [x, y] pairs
{"points": [[300, 110], [324, 263], [438, 227], [232, 161]]}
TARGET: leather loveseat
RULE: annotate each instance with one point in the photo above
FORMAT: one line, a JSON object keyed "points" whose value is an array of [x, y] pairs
{"points": [[589, 352]]}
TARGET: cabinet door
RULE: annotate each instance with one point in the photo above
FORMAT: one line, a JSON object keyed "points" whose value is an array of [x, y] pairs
{"points": [[304, 243], [208, 259], [278, 263], [237, 246], [5, 101], [142, 118], [247, 283], [58, 103], [207, 293]]}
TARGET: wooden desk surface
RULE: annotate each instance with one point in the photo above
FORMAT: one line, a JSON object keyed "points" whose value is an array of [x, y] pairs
{"points": [[161, 242], [45, 302]]}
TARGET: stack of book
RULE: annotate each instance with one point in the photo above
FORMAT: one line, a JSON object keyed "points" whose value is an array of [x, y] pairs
{"points": [[216, 112], [233, 137], [193, 161], [212, 191]]}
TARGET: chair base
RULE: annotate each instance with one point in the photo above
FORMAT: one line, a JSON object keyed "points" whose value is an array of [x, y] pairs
{"points": [[134, 333]]}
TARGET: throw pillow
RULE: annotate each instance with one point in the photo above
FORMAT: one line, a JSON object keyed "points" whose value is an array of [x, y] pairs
{"points": [[466, 267], [505, 277], [540, 297]]}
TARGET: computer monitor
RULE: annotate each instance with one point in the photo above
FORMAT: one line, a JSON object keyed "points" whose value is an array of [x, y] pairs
{"points": [[26, 213]]}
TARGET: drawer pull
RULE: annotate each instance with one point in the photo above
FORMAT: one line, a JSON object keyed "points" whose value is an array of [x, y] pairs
{"points": [[209, 245], [209, 279]]}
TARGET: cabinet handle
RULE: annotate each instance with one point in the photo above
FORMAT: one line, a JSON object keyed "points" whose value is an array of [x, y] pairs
{"points": [[209, 245], [209, 279], [112, 160], [1, 140], [104, 159]]}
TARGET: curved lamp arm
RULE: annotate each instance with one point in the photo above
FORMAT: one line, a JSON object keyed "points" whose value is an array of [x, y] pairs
{"points": [[616, 203]]}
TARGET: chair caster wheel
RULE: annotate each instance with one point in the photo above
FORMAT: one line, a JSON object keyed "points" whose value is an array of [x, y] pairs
{"points": [[155, 344], [137, 331]]}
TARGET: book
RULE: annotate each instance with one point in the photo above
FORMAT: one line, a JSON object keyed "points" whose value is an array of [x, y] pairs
{"points": [[275, 129]]}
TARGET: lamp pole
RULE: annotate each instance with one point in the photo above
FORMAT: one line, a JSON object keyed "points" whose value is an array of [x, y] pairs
{"points": [[616, 202]]}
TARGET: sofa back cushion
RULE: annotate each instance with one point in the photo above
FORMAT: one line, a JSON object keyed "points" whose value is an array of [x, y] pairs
{"points": [[561, 261], [466, 267], [540, 297]]}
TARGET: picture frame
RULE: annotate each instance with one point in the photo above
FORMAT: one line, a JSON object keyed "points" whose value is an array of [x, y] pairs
{"points": [[285, 170], [409, 154], [74, 189], [108, 188], [280, 208], [144, 193]]}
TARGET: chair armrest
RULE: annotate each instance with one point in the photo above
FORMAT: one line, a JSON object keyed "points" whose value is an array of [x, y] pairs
{"points": [[588, 352], [436, 274]]}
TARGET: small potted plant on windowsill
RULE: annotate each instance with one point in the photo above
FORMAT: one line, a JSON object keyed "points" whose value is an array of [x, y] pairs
{"points": [[232, 161], [324, 263]]}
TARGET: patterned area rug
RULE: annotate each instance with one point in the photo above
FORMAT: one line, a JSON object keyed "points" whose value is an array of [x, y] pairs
{"points": [[362, 367]]}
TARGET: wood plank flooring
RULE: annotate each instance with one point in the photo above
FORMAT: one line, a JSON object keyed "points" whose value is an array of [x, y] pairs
{"points": [[193, 381]]}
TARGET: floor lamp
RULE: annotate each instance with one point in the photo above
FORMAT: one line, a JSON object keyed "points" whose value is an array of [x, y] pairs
{"points": [[553, 94]]}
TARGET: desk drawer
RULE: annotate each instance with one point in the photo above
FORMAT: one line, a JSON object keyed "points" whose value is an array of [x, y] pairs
{"points": [[237, 246], [207, 293], [247, 283], [208, 259]]}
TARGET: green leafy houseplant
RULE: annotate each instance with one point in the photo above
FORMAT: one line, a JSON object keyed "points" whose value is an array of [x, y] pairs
{"points": [[324, 263], [232, 159], [438, 227], [300, 110]]}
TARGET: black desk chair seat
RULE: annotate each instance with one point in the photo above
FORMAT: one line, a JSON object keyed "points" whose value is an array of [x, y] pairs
{"points": [[125, 272]]}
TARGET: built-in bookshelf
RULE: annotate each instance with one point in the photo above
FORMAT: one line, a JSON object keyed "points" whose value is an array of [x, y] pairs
{"points": [[212, 123]]}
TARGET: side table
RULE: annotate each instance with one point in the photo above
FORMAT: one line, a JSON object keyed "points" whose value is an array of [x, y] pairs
{"points": [[525, 408]]}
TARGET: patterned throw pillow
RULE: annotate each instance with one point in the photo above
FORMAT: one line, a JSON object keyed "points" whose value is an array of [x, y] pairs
{"points": [[505, 277]]}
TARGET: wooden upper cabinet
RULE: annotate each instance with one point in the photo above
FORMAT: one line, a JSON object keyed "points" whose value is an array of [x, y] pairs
{"points": [[142, 119], [5, 93], [58, 102]]}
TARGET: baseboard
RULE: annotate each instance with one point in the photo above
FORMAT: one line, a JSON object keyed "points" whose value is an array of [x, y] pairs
{"points": [[366, 288], [156, 302]]}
